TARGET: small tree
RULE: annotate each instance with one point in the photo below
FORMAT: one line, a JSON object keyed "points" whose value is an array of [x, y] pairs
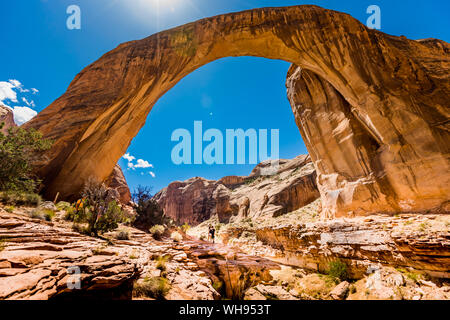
{"points": [[101, 211], [17, 151], [149, 213]]}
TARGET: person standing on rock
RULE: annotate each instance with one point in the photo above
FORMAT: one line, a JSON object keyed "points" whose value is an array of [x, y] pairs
{"points": [[212, 233]]}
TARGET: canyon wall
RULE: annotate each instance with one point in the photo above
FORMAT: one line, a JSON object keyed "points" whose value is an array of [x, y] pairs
{"points": [[358, 172], [393, 93], [237, 198]]}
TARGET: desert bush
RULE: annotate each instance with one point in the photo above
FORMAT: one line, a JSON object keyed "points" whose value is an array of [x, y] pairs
{"points": [[76, 227], [218, 286], [156, 287], [176, 236], [62, 205], [10, 209], [161, 262], [123, 235], [43, 214], [2, 244], [157, 231], [148, 211], [20, 198], [100, 210], [338, 270], [18, 149], [185, 227], [70, 214]]}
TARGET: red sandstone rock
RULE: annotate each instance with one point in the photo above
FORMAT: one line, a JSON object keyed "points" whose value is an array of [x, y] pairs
{"points": [[381, 101], [197, 199]]}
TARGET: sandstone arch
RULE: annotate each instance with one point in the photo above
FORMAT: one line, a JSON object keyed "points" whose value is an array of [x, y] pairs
{"points": [[394, 88]]}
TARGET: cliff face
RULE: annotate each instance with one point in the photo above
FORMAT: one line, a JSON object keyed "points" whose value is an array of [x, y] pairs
{"points": [[381, 100], [237, 198], [394, 167], [6, 117]]}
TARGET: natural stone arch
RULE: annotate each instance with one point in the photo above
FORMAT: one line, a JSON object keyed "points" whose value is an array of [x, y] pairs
{"points": [[104, 107]]}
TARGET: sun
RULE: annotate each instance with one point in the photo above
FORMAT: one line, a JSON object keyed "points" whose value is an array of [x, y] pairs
{"points": [[163, 4]]}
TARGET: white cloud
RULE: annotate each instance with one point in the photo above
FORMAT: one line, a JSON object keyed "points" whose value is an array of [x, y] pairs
{"points": [[7, 92], [128, 157], [23, 114], [34, 90], [28, 103], [140, 164], [143, 164]]}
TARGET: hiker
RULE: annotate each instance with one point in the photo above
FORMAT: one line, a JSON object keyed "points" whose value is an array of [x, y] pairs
{"points": [[212, 233]]}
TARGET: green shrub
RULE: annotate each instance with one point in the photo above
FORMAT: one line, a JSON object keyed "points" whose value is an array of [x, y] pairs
{"points": [[156, 287], [185, 227], [100, 210], [148, 211], [157, 231], [43, 214], [161, 262], [70, 214], [218, 285], [18, 149], [338, 270], [20, 198], [2, 244], [62, 205], [76, 227], [123, 235], [10, 209]]}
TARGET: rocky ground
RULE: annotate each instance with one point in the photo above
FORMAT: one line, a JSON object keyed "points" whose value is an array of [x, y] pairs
{"points": [[386, 257], [37, 258]]}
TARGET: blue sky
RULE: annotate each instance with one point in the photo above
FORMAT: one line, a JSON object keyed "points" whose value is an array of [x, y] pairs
{"points": [[41, 53]]}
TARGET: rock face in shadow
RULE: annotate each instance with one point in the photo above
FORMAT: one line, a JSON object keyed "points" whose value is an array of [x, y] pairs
{"points": [[236, 198], [396, 89], [6, 117]]}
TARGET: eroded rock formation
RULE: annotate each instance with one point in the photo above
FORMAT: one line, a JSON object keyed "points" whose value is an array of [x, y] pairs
{"points": [[420, 242], [358, 172], [237, 198], [390, 92], [7, 118], [118, 182]]}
